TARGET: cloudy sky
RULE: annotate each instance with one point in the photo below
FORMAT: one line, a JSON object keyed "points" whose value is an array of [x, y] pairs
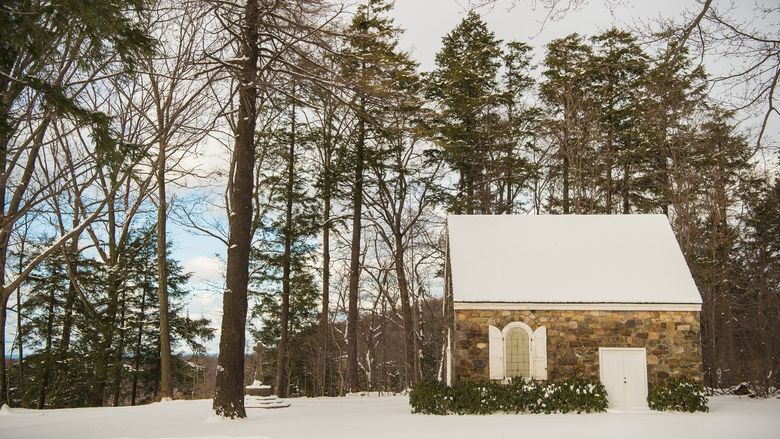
{"points": [[425, 23]]}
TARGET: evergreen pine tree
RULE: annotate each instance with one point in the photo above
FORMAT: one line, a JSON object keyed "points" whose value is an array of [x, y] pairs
{"points": [[565, 93], [465, 87], [618, 66], [61, 376]]}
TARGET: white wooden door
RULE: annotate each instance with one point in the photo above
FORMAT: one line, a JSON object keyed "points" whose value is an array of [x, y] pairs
{"points": [[624, 375]]}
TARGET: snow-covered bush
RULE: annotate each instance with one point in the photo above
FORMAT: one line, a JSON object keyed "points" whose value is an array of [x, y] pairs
{"points": [[678, 394], [574, 395], [519, 396]]}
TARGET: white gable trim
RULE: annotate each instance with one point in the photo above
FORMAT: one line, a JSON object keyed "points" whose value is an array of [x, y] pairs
{"points": [[508, 306]]}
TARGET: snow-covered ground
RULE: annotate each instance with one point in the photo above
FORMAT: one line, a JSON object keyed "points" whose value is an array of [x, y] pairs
{"points": [[386, 417]]}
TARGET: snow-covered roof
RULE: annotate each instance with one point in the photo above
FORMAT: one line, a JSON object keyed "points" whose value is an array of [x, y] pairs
{"points": [[567, 259]]}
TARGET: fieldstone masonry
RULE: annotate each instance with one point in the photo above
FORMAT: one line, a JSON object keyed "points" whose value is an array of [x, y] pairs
{"points": [[672, 340]]}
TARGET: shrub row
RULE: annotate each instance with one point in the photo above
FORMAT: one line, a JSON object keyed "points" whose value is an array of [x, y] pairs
{"points": [[678, 394], [571, 395]]}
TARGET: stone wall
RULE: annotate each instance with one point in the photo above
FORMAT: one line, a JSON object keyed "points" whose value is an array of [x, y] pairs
{"points": [[672, 340]]}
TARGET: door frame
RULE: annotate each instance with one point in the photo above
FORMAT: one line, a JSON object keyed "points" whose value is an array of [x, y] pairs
{"points": [[644, 369]]}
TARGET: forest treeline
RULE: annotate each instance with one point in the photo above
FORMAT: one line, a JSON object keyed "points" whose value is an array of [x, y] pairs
{"points": [[342, 159]]}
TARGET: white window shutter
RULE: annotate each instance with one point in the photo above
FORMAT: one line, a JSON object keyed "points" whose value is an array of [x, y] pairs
{"points": [[496, 353], [539, 352]]}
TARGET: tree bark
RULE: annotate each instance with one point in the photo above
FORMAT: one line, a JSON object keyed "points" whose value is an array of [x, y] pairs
{"points": [[324, 316], [609, 166], [229, 386], [67, 318], [19, 334], [139, 340], [354, 266], [5, 101], [162, 278], [119, 358], [20, 337], [4, 397], [47, 354], [406, 309], [565, 200], [281, 354], [4, 237]]}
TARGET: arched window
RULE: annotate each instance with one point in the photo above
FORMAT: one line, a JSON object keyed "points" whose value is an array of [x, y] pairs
{"points": [[518, 353], [517, 350]]}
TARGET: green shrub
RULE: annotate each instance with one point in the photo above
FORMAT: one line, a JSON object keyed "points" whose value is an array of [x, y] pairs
{"points": [[523, 396], [471, 399], [429, 397], [575, 395], [518, 396], [678, 394]]}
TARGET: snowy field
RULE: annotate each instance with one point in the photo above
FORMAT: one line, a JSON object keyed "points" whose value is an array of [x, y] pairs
{"points": [[385, 417]]}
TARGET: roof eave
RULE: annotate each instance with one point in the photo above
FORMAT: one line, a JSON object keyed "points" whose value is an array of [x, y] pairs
{"points": [[576, 306]]}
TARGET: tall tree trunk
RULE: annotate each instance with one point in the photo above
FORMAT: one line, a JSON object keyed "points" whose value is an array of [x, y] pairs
{"points": [[107, 323], [157, 375], [418, 333], [47, 354], [324, 317], [5, 103], [67, 314], [610, 136], [626, 188], [565, 200], [406, 307], [4, 396], [470, 193], [139, 340], [229, 386], [281, 354], [162, 275], [354, 266], [662, 172], [119, 358], [19, 336], [508, 204]]}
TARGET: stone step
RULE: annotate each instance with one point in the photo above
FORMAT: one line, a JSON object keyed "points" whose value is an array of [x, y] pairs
{"points": [[264, 402], [278, 405], [261, 398]]}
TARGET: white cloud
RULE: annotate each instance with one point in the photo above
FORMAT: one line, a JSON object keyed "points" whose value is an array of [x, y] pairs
{"points": [[205, 268], [206, 301]]}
